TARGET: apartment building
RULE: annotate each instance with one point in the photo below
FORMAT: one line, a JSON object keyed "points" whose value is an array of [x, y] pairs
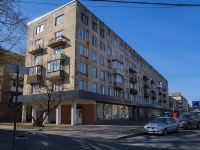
{"points": [[72, 47], [8, 84], [181, 104]]}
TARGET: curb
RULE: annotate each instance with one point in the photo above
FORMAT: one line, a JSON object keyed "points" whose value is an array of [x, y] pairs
{"points": [[129, 136]]}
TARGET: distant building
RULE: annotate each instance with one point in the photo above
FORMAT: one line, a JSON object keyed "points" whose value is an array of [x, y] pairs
{"points": [[181, 102], [8, 84], [73, 47]]}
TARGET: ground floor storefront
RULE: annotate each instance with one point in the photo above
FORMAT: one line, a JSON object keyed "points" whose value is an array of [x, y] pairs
{"points": [[93, 108]]}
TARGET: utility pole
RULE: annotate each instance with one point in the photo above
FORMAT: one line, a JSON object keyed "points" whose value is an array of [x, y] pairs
{"points": [[15, 107]]}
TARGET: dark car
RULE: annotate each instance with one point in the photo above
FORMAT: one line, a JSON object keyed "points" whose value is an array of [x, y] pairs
{"points": [[188, 120]]}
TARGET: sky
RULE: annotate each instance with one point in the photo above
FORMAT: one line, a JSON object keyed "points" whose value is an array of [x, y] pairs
{"points": [[168, 38]]}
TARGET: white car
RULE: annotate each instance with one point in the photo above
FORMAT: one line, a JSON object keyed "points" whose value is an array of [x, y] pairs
{"points": [[161, 125]]}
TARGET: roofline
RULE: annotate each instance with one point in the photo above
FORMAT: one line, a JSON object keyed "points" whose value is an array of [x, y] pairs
{"points": [[51, 12]]}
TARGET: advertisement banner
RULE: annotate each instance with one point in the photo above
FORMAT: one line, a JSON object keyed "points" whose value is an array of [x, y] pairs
{"points": [[196, 104]]}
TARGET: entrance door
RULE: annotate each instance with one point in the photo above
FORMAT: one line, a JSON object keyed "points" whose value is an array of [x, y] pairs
{"points": [[79, 116]]}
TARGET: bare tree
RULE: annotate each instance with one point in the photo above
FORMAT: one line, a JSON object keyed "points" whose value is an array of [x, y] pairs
{"points": [[13, 25], [48, 101]]}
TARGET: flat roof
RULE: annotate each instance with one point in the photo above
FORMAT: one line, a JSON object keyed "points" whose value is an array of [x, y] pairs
{"points": [[51, 12]]}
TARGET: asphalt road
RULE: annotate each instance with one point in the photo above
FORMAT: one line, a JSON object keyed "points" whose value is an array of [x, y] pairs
{"points": [[55, 140]]}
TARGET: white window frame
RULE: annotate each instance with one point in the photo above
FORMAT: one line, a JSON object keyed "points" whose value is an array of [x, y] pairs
{"points": [[39, 29], [84, 34], [83, 68], [94, 56], [59, 20], [83, 51]]}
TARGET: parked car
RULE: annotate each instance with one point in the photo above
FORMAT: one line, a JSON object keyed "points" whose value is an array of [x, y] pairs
{"points": [[161, 125], [188, 120]]}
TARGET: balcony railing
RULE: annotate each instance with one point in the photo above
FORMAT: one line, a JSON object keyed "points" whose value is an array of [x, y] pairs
{"points": [[56, 75], [56, 57], [133, 91], [57, 41], [118, 86], [146, 95], [33, 79], [145, 77], [36, 49], [117, 58], [146, 86], [132, 69], [117, 71], [133, 80]]}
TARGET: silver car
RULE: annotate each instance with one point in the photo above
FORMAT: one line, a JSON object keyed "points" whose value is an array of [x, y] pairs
{"points": [[161, 125]]}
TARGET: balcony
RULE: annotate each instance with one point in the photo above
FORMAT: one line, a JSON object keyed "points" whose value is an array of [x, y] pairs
{"points": [[56, 57], [145, 78], [132, 69], [117, 71], [57, 41], [118, 86], [153, 90], [146, 95], [56, 75], [33, 79], [164, 95], [146, 86], [36, 49], [118, 58], [154, 97], [133, 91], [133, 80], [160, 93]]}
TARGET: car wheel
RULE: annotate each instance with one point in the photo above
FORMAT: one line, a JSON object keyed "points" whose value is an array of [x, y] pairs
{"points": [[188, 126], [177, 129], [198, 126], [165, 132]]}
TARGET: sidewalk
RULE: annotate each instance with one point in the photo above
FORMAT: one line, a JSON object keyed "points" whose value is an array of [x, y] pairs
{"points": [[59, 136]]}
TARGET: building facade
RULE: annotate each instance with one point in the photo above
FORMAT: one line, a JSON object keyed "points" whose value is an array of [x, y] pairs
{"points": [[8, 84], [181, 103], [73, 48]]}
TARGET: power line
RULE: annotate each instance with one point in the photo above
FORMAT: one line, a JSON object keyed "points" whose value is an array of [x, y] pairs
{"points": [[150, 3]]}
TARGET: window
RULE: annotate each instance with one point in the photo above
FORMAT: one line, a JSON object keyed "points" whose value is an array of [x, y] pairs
{"points": [[58, 36], [115, 43], [108, 37], [35, 89], [38, 42], [118, 78], [126, 62], [57, 86], [37, 59], [59, 20], [84, 34], [102, 90], [102, 60], [121, 47], [109, 91], [102, 75], [94, 88], [84, 19], [116, 93], [127, 85], [94, 56], [109, 51], [102, 46], [54, 66], [118, 65], [35, 70], [58, 50], [83, 85], [83, 51], [94, 72], [94, 26], [102, 32], [109, 64], [39, 29], [83, 68], [94, 41], [109, 77]]}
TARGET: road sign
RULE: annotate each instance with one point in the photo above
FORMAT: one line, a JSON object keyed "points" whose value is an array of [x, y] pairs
{"points": [[13, 69]]}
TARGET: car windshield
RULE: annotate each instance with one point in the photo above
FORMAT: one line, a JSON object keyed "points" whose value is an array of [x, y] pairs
{"points": [[159, 120], [185, 116]]}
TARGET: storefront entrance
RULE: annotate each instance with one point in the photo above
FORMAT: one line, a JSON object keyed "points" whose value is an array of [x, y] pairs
{"points": [[79, 116]]}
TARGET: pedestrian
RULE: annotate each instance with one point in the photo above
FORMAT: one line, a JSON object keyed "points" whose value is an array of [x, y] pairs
{"points": [[174, 115]]}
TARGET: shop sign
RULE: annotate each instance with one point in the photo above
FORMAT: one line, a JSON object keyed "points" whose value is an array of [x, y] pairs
{"points": [[116, 100]]}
